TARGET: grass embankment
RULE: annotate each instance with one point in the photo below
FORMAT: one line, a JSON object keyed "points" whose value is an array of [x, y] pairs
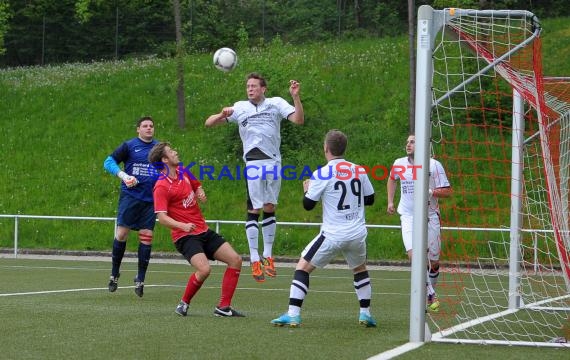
{"points": [[59, 124]]}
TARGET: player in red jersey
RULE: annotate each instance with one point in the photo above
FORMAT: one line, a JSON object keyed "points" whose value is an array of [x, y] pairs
{"points": [[176, 195]]}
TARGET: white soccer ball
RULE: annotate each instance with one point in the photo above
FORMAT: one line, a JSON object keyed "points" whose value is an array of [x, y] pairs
{"points": [[225, 59]]}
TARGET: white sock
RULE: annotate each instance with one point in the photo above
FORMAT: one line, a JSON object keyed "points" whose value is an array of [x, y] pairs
{"points": [[252, 233], [268, 228]]}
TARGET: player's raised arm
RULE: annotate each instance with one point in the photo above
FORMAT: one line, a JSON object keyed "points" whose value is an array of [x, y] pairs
{"points": [[298, 117], [219, 118]]}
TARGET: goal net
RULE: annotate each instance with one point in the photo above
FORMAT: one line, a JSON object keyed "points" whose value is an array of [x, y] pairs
{"points": [[501, 129]]}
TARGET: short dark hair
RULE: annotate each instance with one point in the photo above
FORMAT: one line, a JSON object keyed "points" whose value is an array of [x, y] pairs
{"points": [[336, 142], [156, 154], [144, 118], [257, 76]]}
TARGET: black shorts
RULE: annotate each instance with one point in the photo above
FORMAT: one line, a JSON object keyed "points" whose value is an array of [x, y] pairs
{"points": [[207, 242]]}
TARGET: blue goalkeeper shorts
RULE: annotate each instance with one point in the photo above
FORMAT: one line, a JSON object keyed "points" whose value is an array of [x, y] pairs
{"points": [[135, 214]]}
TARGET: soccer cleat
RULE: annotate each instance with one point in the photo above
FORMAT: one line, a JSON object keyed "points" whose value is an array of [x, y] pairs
{"points": [[432, 303], [139, 287], [256, 271], [286, 320], [227, 312], [269, 266], [113, 283], [182, 309], [366, 320]]}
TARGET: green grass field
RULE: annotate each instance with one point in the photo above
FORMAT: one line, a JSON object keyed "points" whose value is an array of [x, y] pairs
{"points": [[61, 122], [54, 309]]}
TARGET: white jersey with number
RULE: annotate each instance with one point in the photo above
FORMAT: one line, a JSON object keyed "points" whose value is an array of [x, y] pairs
{"points": [[341, 190], [260, 125], [407, 173]]}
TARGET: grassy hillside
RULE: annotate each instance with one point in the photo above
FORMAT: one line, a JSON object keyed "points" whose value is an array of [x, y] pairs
{"points": [[59, 124]]}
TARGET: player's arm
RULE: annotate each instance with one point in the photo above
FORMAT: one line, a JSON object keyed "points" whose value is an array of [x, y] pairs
{"points": [[442, 192], [196, 186], [219, 118], [367, 190], [160, 197], [391, 190], [200, 193], [369, 200], [298, 117], [308, 203], [442, 188], [111, 166], [170, 223]]}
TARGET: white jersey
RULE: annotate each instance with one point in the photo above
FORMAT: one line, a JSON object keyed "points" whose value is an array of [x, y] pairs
{"points": [[404, 171], [260, 125], [342, 192]]}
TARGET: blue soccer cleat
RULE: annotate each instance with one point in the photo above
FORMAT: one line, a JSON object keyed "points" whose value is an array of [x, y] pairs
{"points": [[286, 320], [366, 320]]}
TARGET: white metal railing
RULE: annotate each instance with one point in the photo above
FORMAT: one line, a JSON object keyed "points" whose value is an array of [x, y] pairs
{"points": [[217, 224], [17, 217]]}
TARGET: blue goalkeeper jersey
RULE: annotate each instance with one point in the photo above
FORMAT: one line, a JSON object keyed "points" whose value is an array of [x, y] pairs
{"points": [[134, 155]]}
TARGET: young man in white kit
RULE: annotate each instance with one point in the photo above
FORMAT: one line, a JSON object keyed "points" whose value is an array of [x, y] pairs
{"points": [[439, 187], [259, 121], [344, 192]]}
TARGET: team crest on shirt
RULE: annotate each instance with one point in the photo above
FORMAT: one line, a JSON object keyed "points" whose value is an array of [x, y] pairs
{"points": [[189, 201]]}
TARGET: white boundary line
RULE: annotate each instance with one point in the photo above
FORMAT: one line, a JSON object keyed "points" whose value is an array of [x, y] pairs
{"points": [[382, 356], [166, 285], [402, 349], [68, 290]]}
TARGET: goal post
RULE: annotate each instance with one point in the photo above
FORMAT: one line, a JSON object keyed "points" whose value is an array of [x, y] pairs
{"points": [[501, 129]]}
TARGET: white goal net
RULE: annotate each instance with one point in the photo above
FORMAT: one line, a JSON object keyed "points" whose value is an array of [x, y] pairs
{"points": [[501, 129]]}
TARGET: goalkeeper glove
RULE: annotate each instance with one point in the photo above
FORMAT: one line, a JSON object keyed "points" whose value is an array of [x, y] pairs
{"points": [[129, 180]]}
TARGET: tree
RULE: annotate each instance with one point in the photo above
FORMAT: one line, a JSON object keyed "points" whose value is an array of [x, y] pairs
{"points": [[179, 66], [4, 17]]}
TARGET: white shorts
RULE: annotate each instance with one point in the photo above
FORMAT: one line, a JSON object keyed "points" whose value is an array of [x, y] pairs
{"points": [[263, 179], [322, 250], [434, 239]]}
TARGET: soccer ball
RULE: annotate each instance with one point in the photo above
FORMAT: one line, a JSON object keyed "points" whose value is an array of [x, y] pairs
{"points": [[225, 59]]}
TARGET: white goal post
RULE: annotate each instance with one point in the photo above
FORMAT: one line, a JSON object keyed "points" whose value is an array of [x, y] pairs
{"points": [[501, 129]]}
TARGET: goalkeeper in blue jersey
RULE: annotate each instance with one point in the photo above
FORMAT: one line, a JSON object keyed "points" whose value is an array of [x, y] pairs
{"points": [[136, 208]]}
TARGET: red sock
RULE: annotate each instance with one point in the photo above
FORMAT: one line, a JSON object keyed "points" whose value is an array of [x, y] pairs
{"points": [[191, 288], [229, 284]]}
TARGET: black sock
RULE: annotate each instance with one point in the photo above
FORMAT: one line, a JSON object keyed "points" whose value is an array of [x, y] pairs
{"points": [[117, 256], [144, 258]]}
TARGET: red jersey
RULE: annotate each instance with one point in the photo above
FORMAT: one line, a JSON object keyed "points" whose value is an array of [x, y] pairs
{"points": [[177, 198]]}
